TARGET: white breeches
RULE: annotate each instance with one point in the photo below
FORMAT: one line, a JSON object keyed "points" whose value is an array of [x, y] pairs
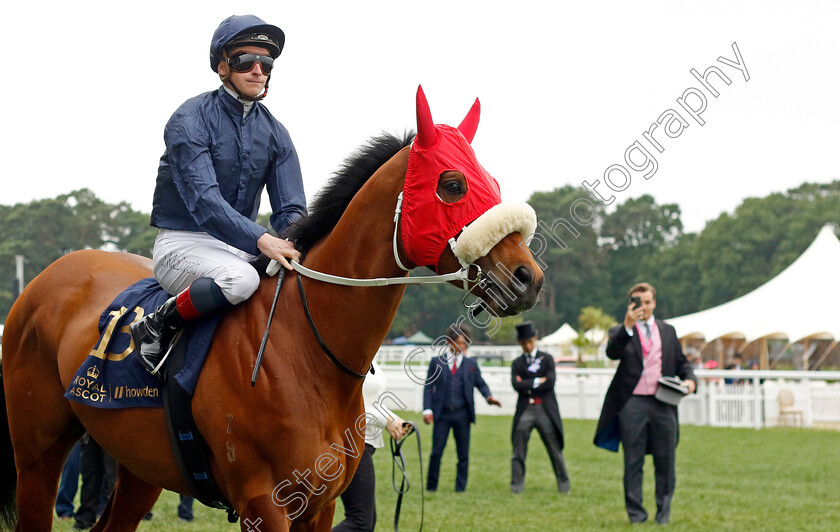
{"points": [[181, 257]]}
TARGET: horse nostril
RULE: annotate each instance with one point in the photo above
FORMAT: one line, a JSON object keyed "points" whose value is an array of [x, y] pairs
{"points": [[523, 275]]}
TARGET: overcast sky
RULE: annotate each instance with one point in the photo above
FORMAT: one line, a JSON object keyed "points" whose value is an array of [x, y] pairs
{"points": [[565, 87]]}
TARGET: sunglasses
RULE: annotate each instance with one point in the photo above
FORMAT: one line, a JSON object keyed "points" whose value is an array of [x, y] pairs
{"points": [[245, 62]]}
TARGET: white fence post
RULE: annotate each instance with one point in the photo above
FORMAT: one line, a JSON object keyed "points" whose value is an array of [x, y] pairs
{"points": [[758, 400]]}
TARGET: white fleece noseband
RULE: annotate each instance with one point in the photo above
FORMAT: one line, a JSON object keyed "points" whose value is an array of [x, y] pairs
{"points": [[478, 238]]}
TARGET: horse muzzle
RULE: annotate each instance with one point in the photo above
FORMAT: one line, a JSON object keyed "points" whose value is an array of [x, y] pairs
{"points": [[511, 280], [506, 291]]}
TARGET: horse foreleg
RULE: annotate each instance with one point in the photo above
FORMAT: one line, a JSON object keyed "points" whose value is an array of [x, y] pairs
{"points": [[320, 522], [130, 501]]}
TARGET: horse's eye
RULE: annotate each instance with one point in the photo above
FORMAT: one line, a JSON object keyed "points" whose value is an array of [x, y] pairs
{"points": [[453, 187]]}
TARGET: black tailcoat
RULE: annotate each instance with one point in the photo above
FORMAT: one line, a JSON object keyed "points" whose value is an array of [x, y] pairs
{"points": [[544, 391], [628, 349]]}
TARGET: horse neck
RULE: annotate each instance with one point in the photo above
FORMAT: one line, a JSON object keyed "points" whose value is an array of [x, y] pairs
{"points": [[355, 320]]}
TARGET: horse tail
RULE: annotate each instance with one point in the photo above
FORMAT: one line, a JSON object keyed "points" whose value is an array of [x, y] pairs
{"points": [[8, 477]]}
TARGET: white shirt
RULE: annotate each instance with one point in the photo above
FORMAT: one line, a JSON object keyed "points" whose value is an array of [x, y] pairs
{"points": [[641, 323], [531, 357], [456, 359], [372, 389]]}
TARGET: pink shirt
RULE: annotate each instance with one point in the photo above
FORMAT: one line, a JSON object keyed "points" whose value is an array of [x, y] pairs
{"points": [[652, 356]]}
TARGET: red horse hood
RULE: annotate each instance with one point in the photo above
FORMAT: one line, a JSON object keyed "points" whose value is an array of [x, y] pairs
{"points": [[428, 222]]}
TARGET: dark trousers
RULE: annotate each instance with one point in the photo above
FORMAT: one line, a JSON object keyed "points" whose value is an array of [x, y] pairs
{"points": [[185, 508], [99, 473], [69, 482], [535, 416], [648, 424], [458, 421], [359, 498]]}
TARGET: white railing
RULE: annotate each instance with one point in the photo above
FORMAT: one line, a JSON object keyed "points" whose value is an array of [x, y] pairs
{"points": [[727, 398], [488, 353]]}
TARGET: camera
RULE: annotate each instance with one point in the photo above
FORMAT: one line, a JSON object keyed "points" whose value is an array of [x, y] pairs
{"points": [[637, 301]]}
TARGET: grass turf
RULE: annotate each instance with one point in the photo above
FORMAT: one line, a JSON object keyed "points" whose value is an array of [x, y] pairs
{"points": [[727, 479]]}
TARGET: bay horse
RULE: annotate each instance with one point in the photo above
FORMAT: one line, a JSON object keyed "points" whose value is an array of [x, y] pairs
{"points": [[264, 442]]}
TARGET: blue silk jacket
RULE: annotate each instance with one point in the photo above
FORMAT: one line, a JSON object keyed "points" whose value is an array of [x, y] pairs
{"points": [[215, 167]]}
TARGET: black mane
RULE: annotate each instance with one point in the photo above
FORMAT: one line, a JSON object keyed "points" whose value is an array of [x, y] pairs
{"points": [[331, 201]]}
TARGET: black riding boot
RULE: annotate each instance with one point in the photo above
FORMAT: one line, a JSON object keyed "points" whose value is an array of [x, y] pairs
{"points": [[153, 334]]}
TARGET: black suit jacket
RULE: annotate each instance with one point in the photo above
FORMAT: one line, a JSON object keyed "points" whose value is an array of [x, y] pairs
{"points": [[544, 391], [437, 385], [628, 349]]}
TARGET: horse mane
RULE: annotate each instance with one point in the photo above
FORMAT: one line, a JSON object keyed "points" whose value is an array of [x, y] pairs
{"points": [[332, 200]]}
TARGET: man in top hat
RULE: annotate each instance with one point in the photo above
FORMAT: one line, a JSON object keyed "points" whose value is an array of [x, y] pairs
{"points": [[532, 376]]}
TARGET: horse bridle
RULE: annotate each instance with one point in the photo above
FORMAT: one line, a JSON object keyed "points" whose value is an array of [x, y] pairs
{"points": [[462, 275], [274, 267]]}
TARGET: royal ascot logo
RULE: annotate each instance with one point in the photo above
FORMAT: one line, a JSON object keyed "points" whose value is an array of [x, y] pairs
{"points": [[88, 389], [93, 372]]}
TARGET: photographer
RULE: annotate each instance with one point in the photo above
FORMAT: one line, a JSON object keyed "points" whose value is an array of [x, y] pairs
{"points": [[648, 349]]}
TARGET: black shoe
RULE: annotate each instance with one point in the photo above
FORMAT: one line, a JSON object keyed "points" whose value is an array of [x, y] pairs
{"points": [[153, 334]]}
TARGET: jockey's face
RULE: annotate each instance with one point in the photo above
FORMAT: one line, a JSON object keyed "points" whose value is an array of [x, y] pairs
{"points": [[249, 83]]}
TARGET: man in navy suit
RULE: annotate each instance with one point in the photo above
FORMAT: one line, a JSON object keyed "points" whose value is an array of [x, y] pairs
{"points": [[448, 402], [648, 349]]}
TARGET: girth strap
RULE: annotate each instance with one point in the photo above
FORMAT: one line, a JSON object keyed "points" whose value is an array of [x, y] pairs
{"points": [[188, 447]]}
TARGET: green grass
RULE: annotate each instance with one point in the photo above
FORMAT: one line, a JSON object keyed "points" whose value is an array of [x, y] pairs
{"points": [[727, 479]]}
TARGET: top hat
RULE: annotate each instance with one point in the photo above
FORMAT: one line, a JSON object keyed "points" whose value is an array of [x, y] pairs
{"points": [[525, 331], [670, 390]]}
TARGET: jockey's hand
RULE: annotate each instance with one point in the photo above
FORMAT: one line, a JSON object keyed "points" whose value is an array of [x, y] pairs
{"points": [[278, 249]]}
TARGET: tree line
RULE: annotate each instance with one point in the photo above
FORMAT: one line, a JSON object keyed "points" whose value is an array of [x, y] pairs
{"points": [[641, 240], [637, 240]]}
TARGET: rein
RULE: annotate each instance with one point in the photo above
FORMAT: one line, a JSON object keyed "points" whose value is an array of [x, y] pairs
{"points": [[462, 275], [274, 267], [399, 462], [318, 337]]}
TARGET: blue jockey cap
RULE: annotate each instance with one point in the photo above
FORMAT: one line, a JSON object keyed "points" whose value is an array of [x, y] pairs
{"points": [[245, 30]]}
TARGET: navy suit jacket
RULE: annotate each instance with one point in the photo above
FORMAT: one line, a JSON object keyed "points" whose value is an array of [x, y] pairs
{"points": [[438, 382]]}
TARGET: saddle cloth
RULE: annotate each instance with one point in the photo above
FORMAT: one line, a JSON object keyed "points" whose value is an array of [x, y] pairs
{"points": [[112, 377]]}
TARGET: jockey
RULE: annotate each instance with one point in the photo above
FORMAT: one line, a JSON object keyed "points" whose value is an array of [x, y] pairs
{"points": [[222, 148]]}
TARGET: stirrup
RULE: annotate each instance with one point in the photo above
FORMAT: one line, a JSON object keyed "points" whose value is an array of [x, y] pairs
{"points": [[172, 343]]}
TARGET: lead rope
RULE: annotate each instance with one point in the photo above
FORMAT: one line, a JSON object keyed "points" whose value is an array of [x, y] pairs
{"points": [[396, 452]]}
